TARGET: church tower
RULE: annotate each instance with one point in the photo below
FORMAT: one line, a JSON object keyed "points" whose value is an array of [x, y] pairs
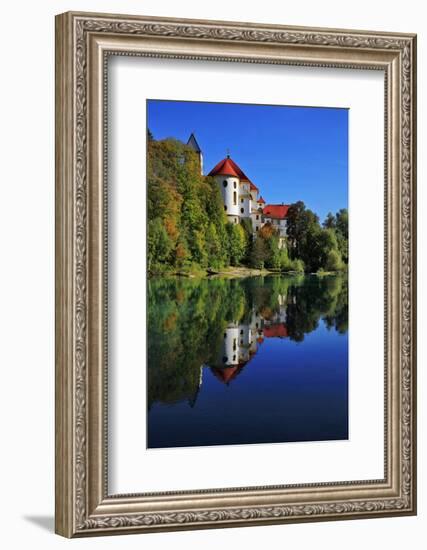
{"points": [[192, 142], [237, 191]]}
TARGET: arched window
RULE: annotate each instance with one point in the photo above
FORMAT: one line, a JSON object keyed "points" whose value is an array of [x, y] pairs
{"points": [[242, 210], [234, 185], [225, 183], [225, 207], [234, 197]]}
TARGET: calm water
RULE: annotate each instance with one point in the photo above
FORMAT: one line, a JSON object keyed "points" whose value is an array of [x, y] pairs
{"points": [[255, 360]]}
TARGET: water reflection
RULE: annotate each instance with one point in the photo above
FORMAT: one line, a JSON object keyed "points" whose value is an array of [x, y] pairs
{"points": [[214, 330]]}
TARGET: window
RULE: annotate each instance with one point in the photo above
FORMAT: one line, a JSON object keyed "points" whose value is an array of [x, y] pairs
{"points": [[257, 217], [256, 228], [235, 220], [242, 210], [234, 197], [225, 207], [241, 332], [224, 183], [234, 185], [241, 200]]}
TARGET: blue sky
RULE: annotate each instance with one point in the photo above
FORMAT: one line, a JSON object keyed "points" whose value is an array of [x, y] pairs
{"points": [[290, 153]]}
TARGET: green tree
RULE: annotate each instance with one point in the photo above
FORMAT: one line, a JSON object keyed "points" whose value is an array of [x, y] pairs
{"points": [[330, 221], [302, 224], [159, 244], [334, 261], [259, 253], [237, 243], [342, 222]]}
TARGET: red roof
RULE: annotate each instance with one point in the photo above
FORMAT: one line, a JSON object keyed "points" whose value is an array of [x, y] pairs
{"points": [[227, 167], [261, 200], [276, 331], [276, 211]]}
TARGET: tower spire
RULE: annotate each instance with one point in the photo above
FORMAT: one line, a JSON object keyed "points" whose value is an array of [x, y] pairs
{"points": [[228, 153]]}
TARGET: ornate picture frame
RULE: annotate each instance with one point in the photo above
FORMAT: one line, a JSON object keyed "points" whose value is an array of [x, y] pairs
{"points": [[84, 42]]}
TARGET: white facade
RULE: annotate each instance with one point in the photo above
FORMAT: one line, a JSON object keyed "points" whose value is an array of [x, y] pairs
{"points": [[231, 346], [229, 186], [256, 217]]}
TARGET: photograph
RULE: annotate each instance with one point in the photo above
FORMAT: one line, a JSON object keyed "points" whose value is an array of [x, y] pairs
{"points": [[247, 273]]}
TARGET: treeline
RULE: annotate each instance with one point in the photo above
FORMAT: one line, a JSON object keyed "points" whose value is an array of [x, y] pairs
{"points": [[319, 247], [188, 229]]}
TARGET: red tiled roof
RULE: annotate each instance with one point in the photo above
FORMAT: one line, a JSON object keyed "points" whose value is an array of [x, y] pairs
{"points": [[227, 167], [276, 331], [276, 211], [261, 200]]}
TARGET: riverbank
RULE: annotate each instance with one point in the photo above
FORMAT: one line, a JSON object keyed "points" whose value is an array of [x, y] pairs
{"points": [[234, 273]]}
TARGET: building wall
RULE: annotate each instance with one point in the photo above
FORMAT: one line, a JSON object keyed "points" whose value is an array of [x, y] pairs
{"points": [[229, 187], [256, 221]]}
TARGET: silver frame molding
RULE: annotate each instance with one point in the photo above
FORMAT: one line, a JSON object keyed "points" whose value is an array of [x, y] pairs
{"points": [[83, 43]]}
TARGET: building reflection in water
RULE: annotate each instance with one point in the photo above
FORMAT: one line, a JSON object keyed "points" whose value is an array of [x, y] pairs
{"points": [[242, 340]]}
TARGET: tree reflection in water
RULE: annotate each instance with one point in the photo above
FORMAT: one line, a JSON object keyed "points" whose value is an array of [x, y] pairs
{"points": [[220, 324]]}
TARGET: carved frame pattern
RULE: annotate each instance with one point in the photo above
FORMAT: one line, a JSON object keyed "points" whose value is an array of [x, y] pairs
{"points": [[82, 510]]}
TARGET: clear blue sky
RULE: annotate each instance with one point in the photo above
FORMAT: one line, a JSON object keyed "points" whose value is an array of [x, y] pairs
{"points": [[290, 153]]}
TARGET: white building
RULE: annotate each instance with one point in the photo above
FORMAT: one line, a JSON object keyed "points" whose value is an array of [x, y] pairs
{"points": [[275, 214], [241, 196]]}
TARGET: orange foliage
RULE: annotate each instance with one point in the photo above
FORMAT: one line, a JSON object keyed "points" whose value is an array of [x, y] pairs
{"points": [[267, 231]]}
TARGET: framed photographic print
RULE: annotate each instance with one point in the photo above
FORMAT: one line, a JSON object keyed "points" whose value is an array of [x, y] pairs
{"points": [[235, 274]]}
